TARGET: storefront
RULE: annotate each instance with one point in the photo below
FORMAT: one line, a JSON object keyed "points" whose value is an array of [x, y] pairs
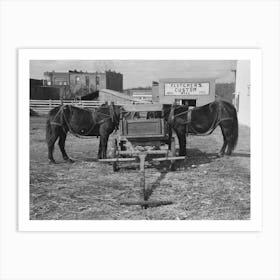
{"points": [[195, 92]]}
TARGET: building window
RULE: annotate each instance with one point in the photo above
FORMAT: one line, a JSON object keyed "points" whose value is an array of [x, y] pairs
{"points": [[77, 80], [97, 80], [47, 81], [178, 101], [87, 81], [59, 81]]}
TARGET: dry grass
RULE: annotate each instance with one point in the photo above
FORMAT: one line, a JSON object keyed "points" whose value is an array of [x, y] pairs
{"points": [[204, 187]]}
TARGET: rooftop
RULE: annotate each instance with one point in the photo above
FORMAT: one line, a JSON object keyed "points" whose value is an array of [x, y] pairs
{"points": [[121, 95]]}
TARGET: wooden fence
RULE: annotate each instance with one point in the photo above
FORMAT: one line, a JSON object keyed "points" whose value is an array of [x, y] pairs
{"points": [[42, 107]]}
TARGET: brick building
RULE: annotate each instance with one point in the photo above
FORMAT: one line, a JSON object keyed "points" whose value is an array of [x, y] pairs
{"points": [[79, 83]]}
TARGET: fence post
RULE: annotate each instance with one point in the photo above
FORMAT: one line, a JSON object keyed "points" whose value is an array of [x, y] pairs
{"points": [[50, 104]]}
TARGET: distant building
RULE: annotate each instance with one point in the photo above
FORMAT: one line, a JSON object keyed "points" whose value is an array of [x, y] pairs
{"points": [[225, 91], [155, 91], [242, 94], [196, 91], [114, 81], [78, 83], [193, 91], [40, 92], [141, 94], [107, 95]]}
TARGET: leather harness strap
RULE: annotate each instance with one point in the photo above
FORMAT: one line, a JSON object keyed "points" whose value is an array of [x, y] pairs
{"points": [[188, 121], [60, 116], [189, 116]]}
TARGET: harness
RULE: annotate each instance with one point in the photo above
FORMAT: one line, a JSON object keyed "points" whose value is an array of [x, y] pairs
{"points": [[188, 121], [62, 118], [172, 116], [113, 116]]}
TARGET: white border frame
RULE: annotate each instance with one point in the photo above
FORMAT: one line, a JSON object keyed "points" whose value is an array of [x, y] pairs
{"points": [[24, 57]]}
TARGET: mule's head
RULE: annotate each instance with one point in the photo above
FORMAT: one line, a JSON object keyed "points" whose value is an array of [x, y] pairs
{"points": [[115, 113], [110, 112], [174, 112]]}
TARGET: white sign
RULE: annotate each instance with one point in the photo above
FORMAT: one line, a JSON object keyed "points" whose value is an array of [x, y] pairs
{"points": [[186, 88]]}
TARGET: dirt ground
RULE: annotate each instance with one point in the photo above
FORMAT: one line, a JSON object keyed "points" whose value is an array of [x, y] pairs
{"points": [[204, 187]]}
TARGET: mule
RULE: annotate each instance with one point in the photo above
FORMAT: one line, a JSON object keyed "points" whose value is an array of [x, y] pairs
{"points": [[81, 123], [203, 121], [174, 115]]}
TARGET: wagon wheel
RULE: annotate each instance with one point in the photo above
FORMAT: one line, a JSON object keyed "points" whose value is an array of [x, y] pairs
{"points": [[173, 154], [116, 166]]}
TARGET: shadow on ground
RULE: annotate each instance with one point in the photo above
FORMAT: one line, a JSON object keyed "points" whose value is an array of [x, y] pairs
{"points": [[194, 158]]}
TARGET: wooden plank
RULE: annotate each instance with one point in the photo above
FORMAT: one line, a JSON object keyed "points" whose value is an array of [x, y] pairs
{"points": [[152, 152], [116, 159], [169, 158], [44, 106], [142, 107], [151, 137], [143, 127]]}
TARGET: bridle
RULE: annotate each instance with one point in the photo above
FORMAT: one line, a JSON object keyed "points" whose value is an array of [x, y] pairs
{"points": [[172, 116]]}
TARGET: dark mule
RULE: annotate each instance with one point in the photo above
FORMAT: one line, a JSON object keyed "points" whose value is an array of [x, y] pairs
{"points": [[80, 122], [203, 121], [174, 115]]}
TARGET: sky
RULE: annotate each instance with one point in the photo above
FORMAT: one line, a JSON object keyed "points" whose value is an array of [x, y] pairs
{"points": [[141, 73]]}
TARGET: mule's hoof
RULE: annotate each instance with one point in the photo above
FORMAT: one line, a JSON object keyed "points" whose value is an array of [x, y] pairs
{"points": [[172, 167], [220, 155], [52, 161], [69, 160]]}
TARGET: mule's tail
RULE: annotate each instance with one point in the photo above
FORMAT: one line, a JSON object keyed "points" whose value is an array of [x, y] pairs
{"points": [[48, 130], [234, 134]]}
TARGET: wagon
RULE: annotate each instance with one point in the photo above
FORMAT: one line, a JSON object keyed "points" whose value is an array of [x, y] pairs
{"points": [[143, 137]]}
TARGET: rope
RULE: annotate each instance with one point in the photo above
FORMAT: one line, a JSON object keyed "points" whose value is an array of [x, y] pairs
{"points": [[215, 123]]}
